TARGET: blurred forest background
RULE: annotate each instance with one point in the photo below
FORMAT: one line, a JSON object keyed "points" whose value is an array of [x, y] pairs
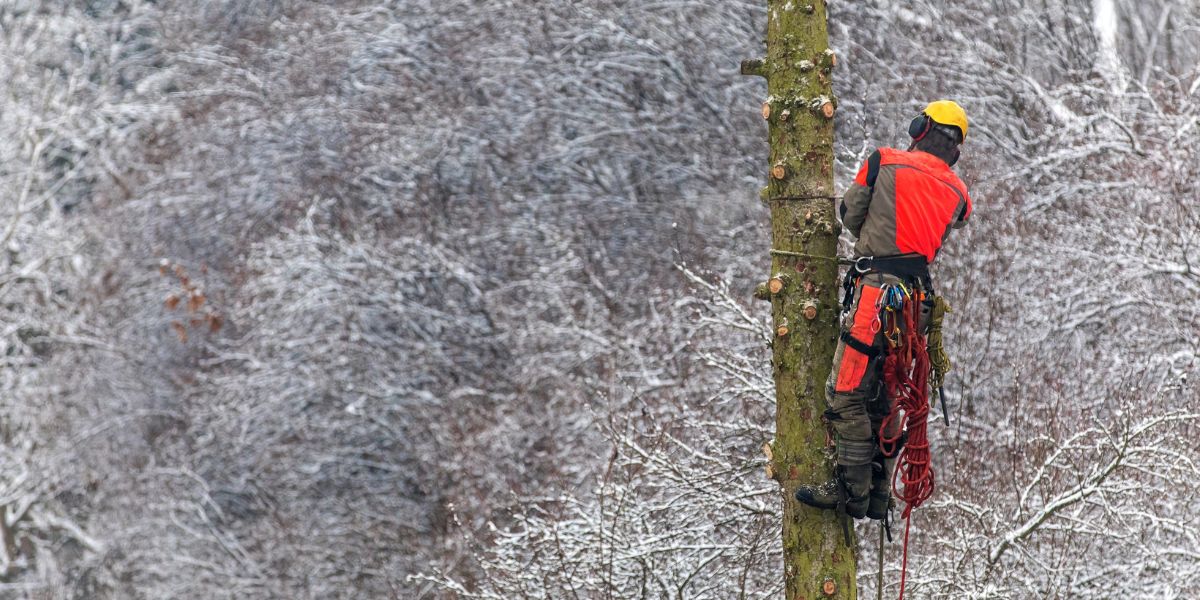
{"points": [[452, 299]]}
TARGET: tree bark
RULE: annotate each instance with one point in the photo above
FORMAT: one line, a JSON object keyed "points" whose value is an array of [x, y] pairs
{"points": [[818, 562]]}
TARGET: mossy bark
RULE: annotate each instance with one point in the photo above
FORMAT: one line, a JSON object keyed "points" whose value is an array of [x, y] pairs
{"points": [[818, 562]]}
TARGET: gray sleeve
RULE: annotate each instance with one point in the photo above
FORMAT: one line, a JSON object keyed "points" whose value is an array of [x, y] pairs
{"points": [[960, 215], [854, 208]]}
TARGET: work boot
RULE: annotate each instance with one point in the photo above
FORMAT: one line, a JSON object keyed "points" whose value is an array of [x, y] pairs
{"points": [[881, 489], [850, 487]]}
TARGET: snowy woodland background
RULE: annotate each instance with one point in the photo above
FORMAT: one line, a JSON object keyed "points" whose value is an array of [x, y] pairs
{"points": [[452, 299]]}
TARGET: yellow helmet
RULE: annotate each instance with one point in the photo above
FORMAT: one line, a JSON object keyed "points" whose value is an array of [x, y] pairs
{"points": [[942, 112]]}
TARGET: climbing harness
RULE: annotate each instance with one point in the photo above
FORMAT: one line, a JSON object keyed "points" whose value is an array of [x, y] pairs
{"points": [[906, 370], [909, 267], [914, 359]]}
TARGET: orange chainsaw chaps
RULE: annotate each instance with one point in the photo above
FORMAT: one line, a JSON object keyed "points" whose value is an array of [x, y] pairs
{"points": [[854, 363]]}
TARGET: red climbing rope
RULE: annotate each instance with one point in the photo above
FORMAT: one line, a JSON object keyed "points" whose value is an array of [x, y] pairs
{"points": [[906, 375]]}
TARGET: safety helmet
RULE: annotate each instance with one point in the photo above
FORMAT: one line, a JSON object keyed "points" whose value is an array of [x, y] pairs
{"points": [[946, 113]]}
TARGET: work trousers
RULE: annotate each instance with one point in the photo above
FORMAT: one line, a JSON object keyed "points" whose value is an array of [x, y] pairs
{"points": [[856, 397]]}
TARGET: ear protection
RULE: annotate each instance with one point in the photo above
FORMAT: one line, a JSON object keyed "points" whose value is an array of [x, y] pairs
{"points": [[919, 127], [954, 157]]}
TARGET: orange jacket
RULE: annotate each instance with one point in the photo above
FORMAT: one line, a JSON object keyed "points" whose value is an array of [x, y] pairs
{"points": [[910, 207]]}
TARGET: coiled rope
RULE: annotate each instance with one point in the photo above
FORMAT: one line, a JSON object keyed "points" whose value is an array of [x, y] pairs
{"points": [[906, 375]]}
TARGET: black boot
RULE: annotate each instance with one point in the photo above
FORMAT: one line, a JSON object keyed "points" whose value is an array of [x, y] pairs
{"points": [[849, 488], [881, 489]]}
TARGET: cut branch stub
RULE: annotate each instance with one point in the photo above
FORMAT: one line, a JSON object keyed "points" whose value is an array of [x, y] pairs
{"points": [[766, 448], [782, 329], [810, 310], [776, 284], [766, 110], [778, 171], [829, 61], [829, 588], [754, 66], [827, 110], [762, 292]]}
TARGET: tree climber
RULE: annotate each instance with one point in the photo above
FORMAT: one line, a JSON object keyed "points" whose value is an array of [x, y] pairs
{"points": [[900, 208]]}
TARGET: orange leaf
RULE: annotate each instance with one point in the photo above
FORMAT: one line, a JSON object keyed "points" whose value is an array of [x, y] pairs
{"points": [[195, 301], [180, 331]]}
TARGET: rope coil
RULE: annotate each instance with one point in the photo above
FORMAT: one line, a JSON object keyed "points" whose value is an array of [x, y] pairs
{"points": [[906, 376]]}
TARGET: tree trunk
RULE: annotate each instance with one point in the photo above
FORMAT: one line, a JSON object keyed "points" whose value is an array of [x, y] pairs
{"points": [[818, 563]]}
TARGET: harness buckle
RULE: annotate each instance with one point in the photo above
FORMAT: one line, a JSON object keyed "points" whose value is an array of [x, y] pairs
{"points": [[858, 264]]}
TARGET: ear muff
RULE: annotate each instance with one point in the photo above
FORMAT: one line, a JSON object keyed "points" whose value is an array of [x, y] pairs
{"points": [[919, 127], [954, 157]]}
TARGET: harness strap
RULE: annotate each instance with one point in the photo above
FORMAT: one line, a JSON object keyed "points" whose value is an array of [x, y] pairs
{"points": [[910, 267], [866, 349]]}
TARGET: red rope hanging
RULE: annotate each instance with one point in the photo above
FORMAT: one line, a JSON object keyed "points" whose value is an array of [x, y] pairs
{"points": [[906, 375]]}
